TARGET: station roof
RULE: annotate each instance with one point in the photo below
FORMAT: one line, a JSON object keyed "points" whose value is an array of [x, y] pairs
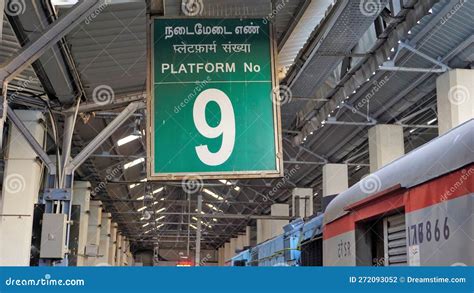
{"points": [[330, 53]]}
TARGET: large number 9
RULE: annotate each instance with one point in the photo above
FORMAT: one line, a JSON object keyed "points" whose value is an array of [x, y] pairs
{"points": [[226, 127]]}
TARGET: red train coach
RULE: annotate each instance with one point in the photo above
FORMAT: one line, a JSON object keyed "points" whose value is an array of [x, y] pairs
{"points": [[417, 210]]}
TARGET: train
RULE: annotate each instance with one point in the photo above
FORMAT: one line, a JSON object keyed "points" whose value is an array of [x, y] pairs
{"points": [[416, 211]]}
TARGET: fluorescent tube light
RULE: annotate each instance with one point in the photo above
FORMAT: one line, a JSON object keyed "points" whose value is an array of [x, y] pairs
{"points": [[134, 163]]}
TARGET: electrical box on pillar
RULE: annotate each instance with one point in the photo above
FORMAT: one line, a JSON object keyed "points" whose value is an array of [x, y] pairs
{"points": [[53, 236]]}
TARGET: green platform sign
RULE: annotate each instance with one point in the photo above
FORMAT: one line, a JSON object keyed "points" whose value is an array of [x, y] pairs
{"points": [[212, 110]]}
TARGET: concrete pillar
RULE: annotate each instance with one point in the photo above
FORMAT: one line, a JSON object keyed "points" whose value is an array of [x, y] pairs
{"points": [[246, 238], [260, 231], [455, 98], [335, 179], [385, 145], [125, 252], [104, 244], [130, 258], [123, 258], [118, 252], [21, 183], [129, 254], [233, 246], [276, 226], [227, 254], [93, 232], [267, 229], [113, 244], [239, 245], [221, 256], [81, 197], [302, 202]]}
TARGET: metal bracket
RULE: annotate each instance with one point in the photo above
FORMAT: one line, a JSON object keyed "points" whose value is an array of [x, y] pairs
{"points": [[31, 140], [390, 65], [57, 194]]}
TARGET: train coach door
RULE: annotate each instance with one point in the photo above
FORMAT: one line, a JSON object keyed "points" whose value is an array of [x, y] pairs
{"points": [[395, 243]]}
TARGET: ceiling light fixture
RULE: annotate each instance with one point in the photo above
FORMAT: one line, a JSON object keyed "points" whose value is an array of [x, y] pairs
{"points": [[213, 194], [160, 210], [134, 163], [158, 190], [127, 139]]}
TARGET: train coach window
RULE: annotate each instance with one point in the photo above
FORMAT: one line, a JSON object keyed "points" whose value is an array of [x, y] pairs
{"points": [[382, 241]]}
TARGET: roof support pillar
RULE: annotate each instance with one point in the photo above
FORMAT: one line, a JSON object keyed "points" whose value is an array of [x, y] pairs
{"points": [[21, 184], [335, 181], [240, 242], [233, 246], [267, 229], [104, 242], [248, 234], [455, 98], [93, 232], [227, 254], [118, 252], [81, 198], [386, 143], [221, 256], [113, 244]]}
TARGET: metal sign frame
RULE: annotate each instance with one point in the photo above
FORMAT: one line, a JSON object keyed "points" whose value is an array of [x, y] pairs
{"points": [[279, 172]]}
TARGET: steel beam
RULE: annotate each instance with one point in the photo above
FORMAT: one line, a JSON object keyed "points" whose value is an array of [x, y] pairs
{"points": [[102, 136], [52, 34], [185, 202], [409, 69], [31, 140], [119, 101], [170, 223], [217, 216]]}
